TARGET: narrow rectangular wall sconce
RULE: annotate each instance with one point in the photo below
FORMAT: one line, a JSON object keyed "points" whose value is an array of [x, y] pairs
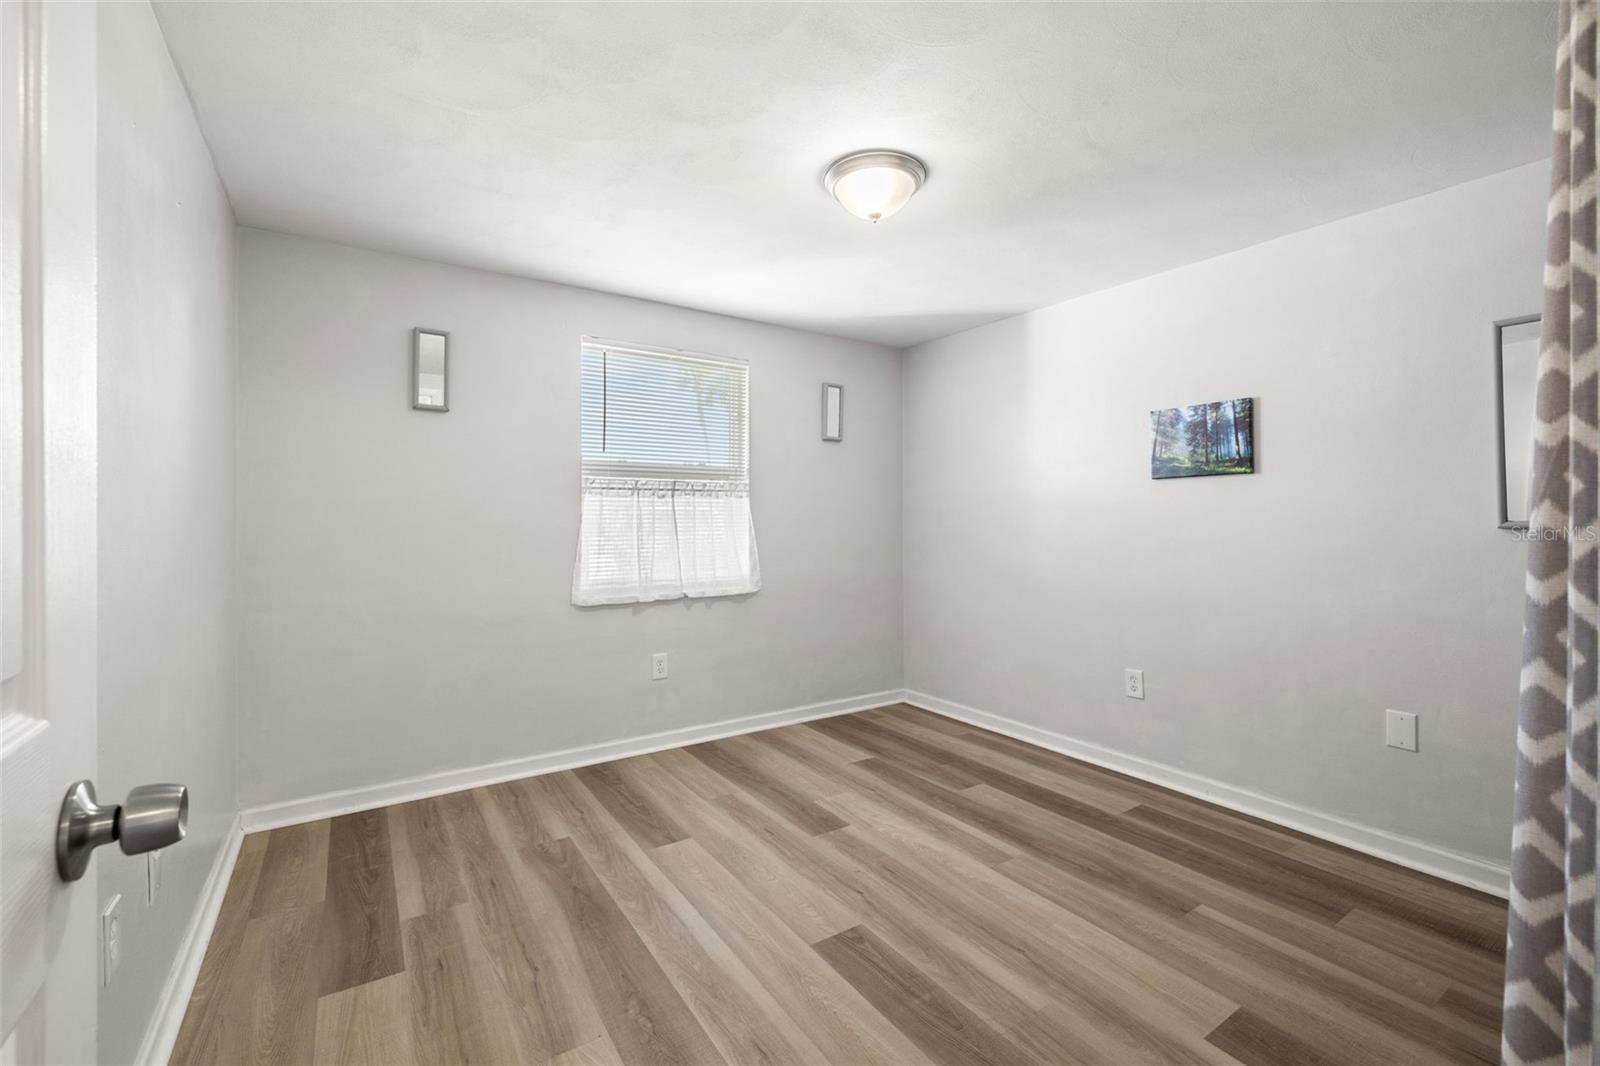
{"points": [[832, 412], [430, 369]]}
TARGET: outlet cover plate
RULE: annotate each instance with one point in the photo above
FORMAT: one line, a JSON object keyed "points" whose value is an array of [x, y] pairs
{"points": [[1133, 684]]}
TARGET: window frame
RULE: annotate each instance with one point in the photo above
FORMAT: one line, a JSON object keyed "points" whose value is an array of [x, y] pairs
{"points": [[735, 472]]}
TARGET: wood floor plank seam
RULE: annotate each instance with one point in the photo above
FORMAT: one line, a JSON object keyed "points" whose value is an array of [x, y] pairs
{"points": [[360, 929], [791, 805], [739, 1016], [937, 1023], [538, 965]]}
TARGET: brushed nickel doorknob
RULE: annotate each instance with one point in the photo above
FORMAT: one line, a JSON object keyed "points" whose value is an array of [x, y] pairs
{"points": [[153, 816]]}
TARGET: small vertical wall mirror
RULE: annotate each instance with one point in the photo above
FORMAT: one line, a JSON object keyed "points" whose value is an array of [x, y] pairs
{"points": [[832, 412], [430, 369], [1516, 366]]}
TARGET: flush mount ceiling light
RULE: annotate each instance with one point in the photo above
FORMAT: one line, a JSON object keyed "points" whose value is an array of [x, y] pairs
{"points": [[874, 185]]}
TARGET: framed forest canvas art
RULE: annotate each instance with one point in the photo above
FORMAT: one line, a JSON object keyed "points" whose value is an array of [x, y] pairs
{"points": [[1203, 439]]}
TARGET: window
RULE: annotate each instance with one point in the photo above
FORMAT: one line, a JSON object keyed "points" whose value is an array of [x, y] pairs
{"points": [[666, 480]]}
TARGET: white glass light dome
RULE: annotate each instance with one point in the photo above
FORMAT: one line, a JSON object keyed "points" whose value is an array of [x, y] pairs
{"points": [[874, 185]]}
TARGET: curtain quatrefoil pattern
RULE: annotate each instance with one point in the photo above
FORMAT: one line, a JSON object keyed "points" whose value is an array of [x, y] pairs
{"points": [[1549, 1001]]}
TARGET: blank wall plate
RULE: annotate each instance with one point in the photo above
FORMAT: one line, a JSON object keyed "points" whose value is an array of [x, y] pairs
{"points": [[1400, 730], [1133, 684]]}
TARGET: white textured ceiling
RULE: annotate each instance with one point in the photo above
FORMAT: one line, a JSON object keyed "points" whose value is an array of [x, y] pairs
{"points": [[673, 151]]}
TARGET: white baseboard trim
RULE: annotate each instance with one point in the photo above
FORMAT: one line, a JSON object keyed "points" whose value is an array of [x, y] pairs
{"points": [[156, 1047], [1470, 870], [347, 801], [1473, 871]]}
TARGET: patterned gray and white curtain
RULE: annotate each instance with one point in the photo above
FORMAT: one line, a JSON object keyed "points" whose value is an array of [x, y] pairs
{"points": [[1549, 1003]]}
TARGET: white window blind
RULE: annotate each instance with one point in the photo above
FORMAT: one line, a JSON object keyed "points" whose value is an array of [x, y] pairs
{"points": [[666, 483]]}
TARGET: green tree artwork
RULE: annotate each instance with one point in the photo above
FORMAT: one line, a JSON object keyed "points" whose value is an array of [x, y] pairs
{"points": [[1203, 439]]}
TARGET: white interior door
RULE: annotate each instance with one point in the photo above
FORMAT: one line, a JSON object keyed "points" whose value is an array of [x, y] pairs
{"points": [[48, 929]]}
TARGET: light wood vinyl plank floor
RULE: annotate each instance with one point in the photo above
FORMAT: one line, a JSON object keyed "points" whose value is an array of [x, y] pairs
{"points": [[884, 887]]}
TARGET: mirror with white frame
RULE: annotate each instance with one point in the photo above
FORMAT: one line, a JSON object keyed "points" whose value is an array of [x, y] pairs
{"points": [[430, 369], [1516, 367]]}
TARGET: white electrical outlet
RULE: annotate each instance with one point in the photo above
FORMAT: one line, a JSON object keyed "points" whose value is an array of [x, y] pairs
{"points": [[1400, 730], [658, 666], [152, 870], [1133, 684], [110, 939]]}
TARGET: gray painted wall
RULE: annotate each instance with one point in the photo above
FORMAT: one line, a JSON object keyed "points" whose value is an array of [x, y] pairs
{"points": [[404, 575], [167, 608], [1276, 615]]}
